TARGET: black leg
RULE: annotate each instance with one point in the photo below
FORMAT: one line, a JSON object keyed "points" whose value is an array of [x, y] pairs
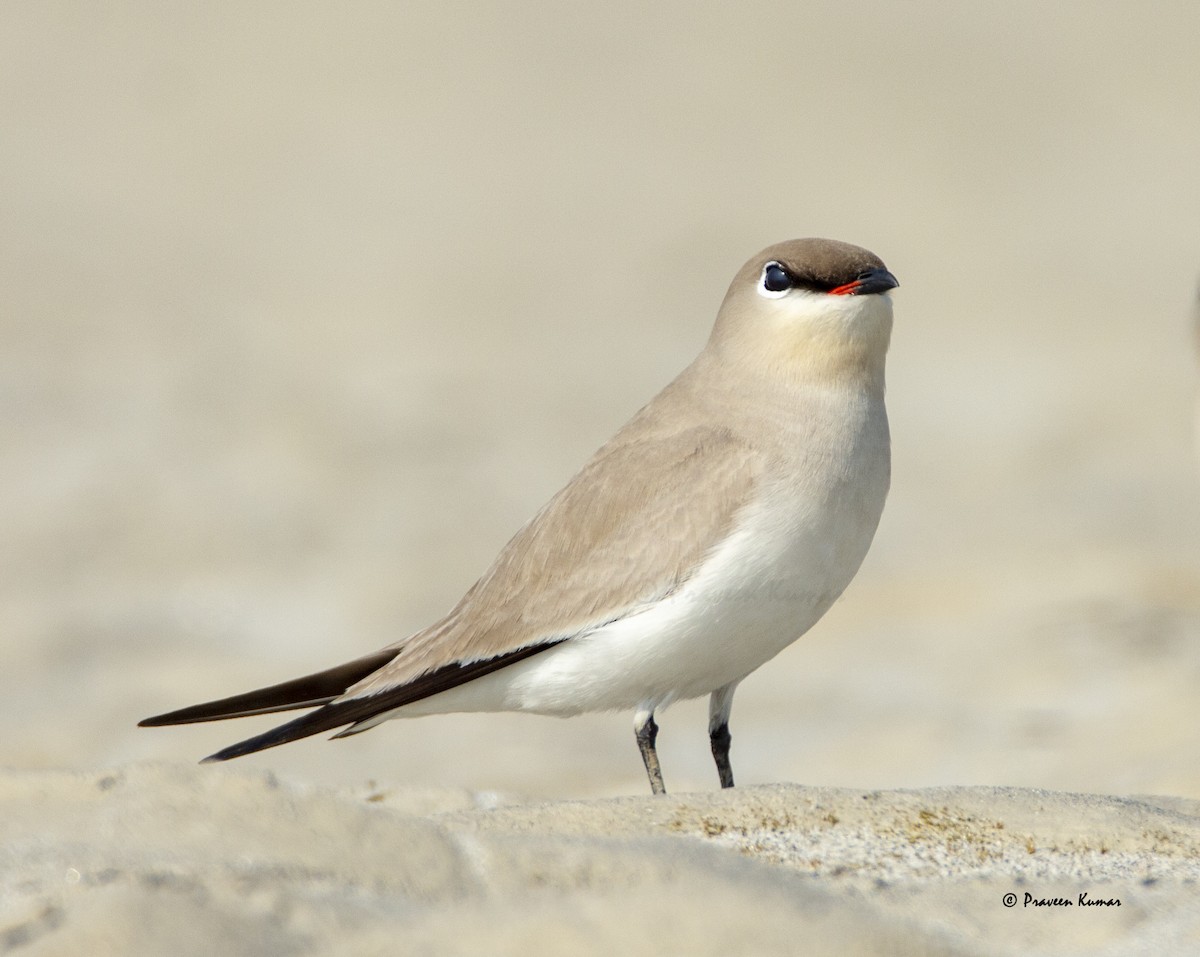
{"points": [[720, 738], [719, 706], [646, 732]]}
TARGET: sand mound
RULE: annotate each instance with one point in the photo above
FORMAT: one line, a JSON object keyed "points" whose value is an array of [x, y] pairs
{"points": [[153, 859]]}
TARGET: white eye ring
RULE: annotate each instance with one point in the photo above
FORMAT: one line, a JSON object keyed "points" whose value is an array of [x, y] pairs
{"points": [[772, 275]]}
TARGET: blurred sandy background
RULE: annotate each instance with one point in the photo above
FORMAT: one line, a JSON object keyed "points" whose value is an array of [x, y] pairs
{"points": [[305, 309]]}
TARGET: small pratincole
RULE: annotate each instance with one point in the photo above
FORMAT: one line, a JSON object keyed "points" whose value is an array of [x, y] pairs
{"points": [[713, 530]]}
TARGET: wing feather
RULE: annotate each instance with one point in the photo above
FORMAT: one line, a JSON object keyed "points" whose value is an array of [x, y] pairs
{"points": [[631, 527]]}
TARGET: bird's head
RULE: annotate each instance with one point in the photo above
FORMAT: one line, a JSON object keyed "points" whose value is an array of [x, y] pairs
{"points": [[808, 307]]}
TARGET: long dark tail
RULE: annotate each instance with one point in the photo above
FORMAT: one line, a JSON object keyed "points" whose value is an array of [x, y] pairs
{"points": [[323, 688], [306, 692]]}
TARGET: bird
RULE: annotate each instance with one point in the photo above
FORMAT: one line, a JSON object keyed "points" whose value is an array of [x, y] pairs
{"points": [[711, 531]]}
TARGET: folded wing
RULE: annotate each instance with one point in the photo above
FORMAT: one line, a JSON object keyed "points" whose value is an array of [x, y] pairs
{"points": [[629, 529]]}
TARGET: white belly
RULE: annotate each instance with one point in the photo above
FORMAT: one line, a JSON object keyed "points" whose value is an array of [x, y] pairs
{"points": [[757, 593]]}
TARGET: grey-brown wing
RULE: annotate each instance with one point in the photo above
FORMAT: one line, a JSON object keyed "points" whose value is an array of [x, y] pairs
{"points": [[628, 529]]}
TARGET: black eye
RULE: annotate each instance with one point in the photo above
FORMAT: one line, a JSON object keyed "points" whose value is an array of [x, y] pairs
{"points": [[776, 278]]}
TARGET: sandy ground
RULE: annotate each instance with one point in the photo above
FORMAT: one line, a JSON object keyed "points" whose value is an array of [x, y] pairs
{"points": [[168, 856], [305, 310]]}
